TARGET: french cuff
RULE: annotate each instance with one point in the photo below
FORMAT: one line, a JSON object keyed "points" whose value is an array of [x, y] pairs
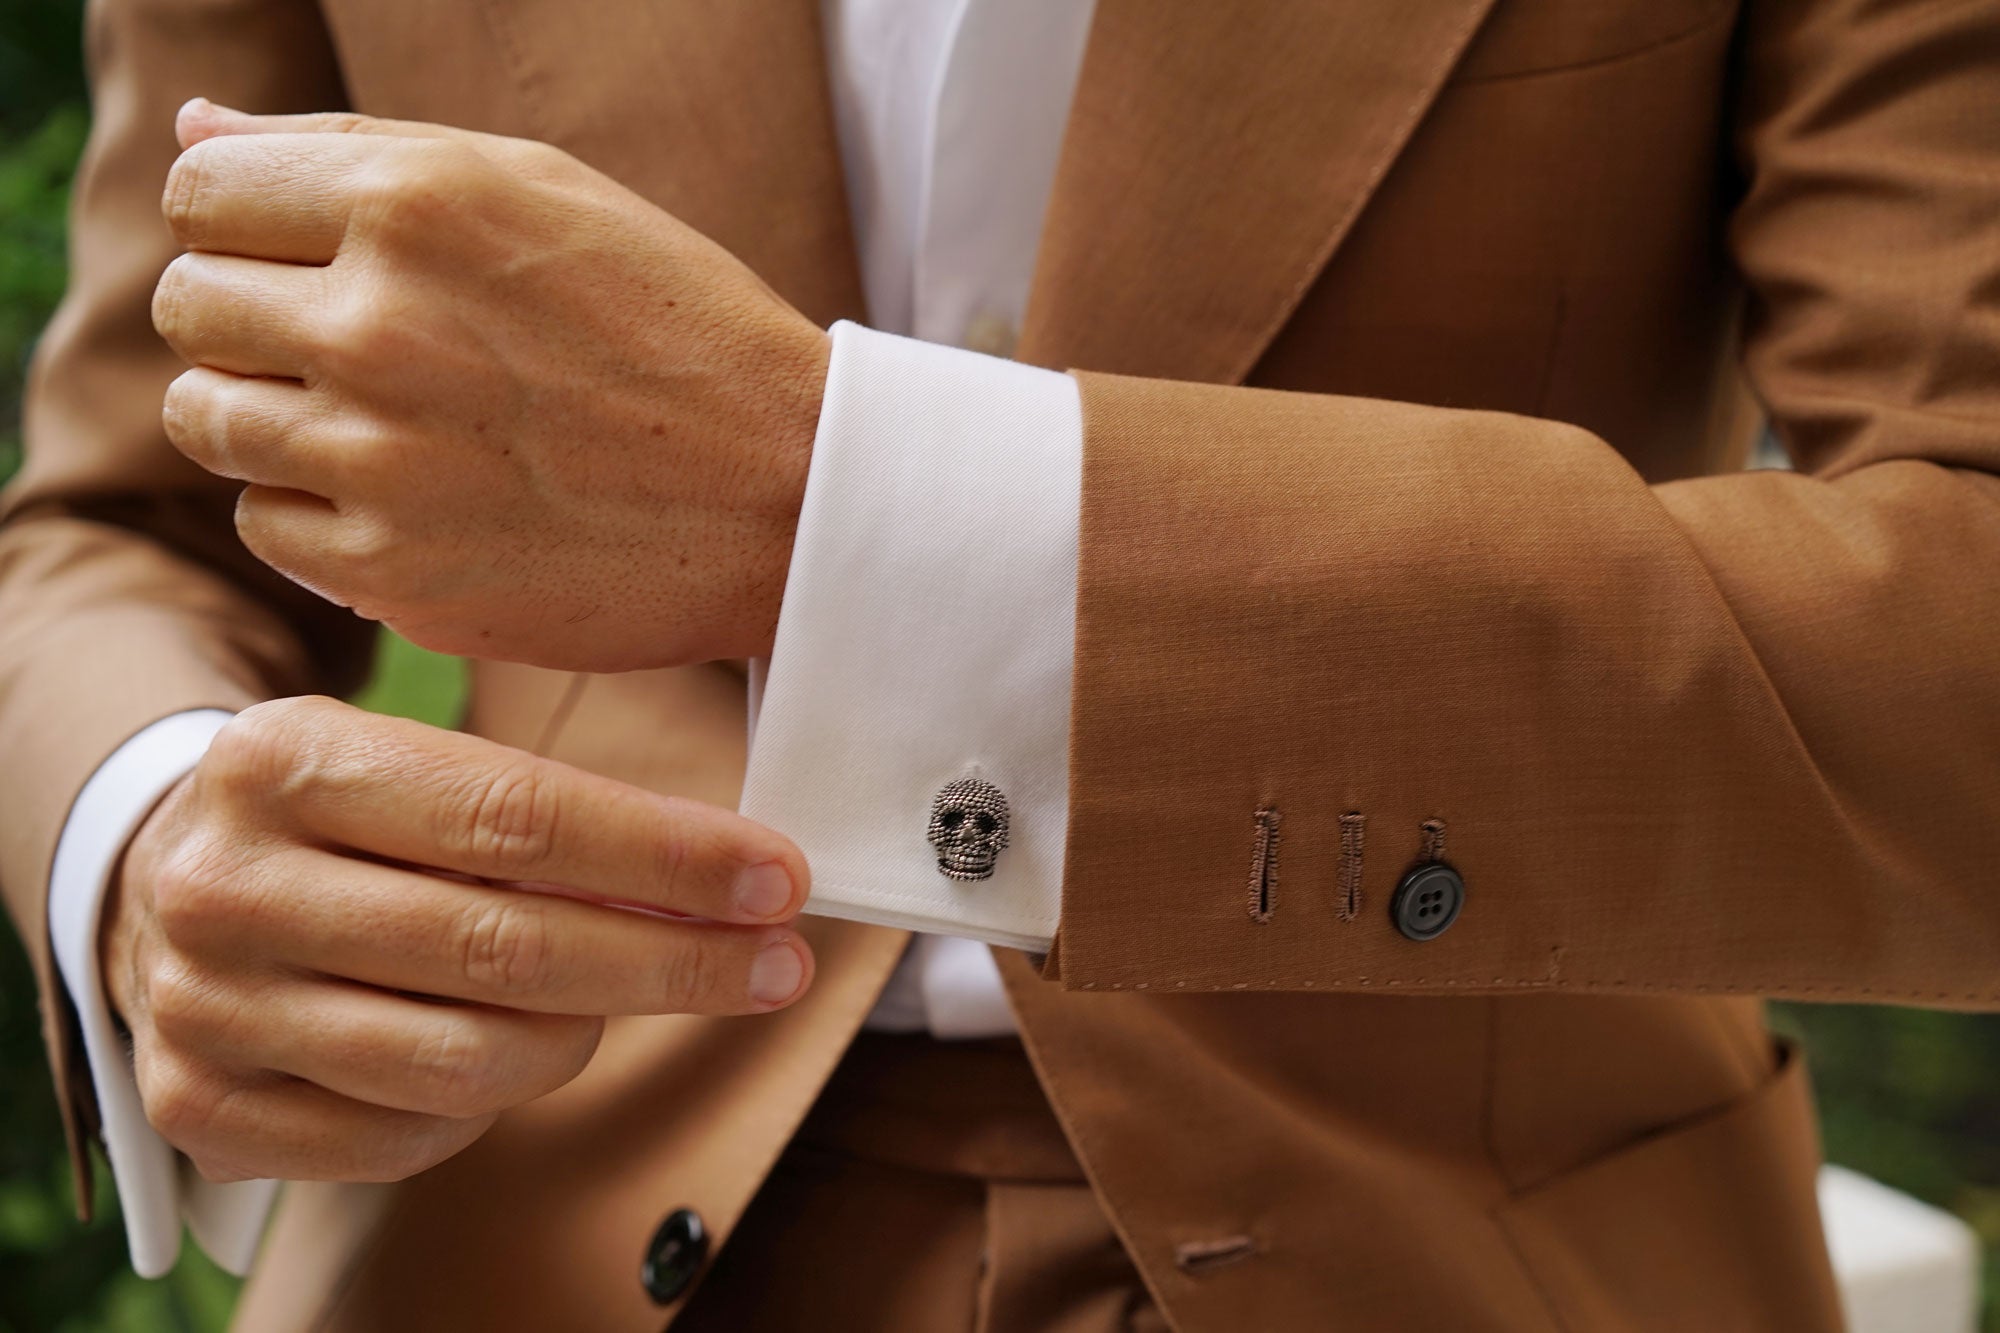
{"points": [[911, 729], [157, 1189]]}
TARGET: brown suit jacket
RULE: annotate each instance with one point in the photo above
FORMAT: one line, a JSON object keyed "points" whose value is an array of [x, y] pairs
{"points": [[1510, 278]]}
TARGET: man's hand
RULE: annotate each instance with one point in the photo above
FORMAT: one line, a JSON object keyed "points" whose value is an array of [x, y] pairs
{"points": [[346, 942], [483, 393]]}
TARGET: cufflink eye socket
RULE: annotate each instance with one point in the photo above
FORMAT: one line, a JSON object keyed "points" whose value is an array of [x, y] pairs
{"points": [[951, 818], [985, 823]]}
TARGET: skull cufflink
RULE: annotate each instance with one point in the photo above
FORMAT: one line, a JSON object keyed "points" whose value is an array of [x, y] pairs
{"points": [[968, 828]]}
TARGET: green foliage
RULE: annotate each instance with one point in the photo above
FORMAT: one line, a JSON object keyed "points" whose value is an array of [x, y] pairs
{"points": [[1910, 1097], [42, 119], [409, 682], [41, 61]]}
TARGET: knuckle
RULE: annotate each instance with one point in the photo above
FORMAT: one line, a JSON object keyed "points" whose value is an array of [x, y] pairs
{"points": [[507, 947], [180, 1103], [281, 755], [185, 408], [187, 182], [688, 981], [454, 1069], [255, 748], [412, 186], [198, 420], [171, 299], [511, 821], [371, 453], [175, 1002], [191, 887], [442, 169], [348, 122], [263, 526], [352, 336], [670, 852], [537, 161], [365, 547], [410, 1153]]}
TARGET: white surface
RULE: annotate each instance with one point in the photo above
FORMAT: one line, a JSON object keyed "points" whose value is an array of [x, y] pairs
{"points": [[950, 115], [156, 1187], [947, 986], [1903, 1266], [917, 643]]}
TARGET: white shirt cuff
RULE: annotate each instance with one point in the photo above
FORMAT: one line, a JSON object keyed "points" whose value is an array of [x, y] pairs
{"points": [[926, 635], [156, 1188]]}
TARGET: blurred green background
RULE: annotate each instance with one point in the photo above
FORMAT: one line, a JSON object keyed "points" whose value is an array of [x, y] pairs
{"points": [[1909, 1097]]}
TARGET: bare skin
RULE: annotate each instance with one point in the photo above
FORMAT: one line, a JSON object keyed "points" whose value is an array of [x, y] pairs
{"points": [[491, 398], [346, 942], [483, 393]]}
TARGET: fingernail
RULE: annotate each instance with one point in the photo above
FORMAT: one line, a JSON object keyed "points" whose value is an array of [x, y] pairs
{"points": [[775, 974], [763, 890]]}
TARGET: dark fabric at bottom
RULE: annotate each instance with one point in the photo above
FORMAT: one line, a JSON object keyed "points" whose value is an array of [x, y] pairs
{"points": [[929, 1190]]}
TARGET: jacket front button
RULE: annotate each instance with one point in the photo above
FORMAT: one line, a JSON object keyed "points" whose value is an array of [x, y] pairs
{"points": [[674, 1256], [1428, 901]]}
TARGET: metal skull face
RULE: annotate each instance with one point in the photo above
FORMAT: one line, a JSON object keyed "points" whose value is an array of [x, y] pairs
{"points": [[968, 827]]}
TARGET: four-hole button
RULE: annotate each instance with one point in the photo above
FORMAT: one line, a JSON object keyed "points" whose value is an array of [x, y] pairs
{"points": [[1428, 901]]}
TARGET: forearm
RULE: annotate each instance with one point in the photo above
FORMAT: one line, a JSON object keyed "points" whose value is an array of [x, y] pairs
{"points": [[1661, 727]]}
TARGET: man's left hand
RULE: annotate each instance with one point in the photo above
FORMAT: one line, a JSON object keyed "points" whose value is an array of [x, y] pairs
{"points": [[483, 393]]}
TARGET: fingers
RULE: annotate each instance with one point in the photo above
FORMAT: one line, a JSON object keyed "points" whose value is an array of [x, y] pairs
{"points": [[200, 120], [289, 188], [282, 1128], [436, 798], [284, 197], [407, 1054], [302, 536], [246, 316], [272, 432], [403, 930], [451, 1060]]}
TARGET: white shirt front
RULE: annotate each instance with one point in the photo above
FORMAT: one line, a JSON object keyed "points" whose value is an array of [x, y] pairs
{"points": [[928, 628]]}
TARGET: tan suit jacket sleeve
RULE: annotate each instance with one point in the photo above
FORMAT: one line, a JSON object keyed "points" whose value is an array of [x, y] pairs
{"points": [[1730, 734], [124, 596]]}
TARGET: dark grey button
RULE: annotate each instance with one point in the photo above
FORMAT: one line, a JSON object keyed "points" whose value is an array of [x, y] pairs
{"points": [[674, 1256], [1428, 901]]}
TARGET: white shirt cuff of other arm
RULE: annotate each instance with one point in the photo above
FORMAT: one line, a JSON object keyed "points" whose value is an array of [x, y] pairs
{"points": [[157, 1188], [926, 635]]}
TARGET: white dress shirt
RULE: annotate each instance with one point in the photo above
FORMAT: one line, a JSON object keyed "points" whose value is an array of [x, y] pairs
{"points": [[927, 629]]}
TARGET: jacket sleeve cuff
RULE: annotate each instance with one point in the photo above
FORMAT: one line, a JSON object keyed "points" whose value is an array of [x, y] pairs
{"points": [[926, 638], [155, 1188]]}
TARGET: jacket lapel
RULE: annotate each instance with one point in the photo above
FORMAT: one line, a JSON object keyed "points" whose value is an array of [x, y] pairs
{"points": [[717, 111], [1216, 156]]}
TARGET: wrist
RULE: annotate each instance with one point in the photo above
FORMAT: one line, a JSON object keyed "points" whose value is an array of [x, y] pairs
{"points": [[795, 388]]}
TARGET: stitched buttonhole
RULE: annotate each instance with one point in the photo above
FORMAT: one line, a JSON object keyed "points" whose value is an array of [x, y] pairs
{"points": [[1199, 1256], [1432, 846], [1352, 827], [1264, 866]]}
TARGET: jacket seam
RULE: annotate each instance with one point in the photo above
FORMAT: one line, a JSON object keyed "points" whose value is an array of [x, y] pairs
{"points": [[1725, 18]]}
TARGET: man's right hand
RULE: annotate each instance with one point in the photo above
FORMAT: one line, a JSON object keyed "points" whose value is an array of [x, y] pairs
{"points": [[345, 942]]}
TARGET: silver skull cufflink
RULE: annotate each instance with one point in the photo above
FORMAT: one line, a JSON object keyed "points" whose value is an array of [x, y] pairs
{"points": [[968, 828]]}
